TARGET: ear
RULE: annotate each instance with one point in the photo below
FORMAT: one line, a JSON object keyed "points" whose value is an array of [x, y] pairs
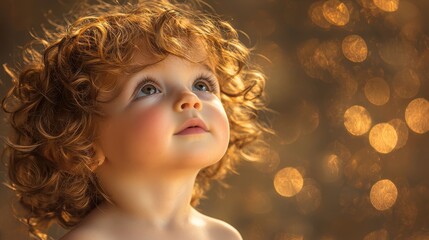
{"points": [[99, 157]]}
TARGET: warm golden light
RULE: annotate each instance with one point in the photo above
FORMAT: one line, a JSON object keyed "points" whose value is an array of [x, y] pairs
{"points": [[401, 131], [340, 150], [288, 182], [417, 115], [357, 120], [326, 54], [309, 198], [354, 48], [383, 137], [406, 83], [336, 12], [377, 235], [331, 168], [387, 5], [377, 91], [316, 15], [383, 194]]}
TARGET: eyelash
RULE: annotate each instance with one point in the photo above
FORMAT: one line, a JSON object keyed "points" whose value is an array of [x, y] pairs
{"points": [[211, 82]]}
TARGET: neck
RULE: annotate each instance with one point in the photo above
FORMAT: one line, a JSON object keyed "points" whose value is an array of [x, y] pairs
{"points": [[158, 202]]}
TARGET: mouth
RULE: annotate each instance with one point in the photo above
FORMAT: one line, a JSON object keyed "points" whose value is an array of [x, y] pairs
{"points": [[192, 126], [191, 130]]}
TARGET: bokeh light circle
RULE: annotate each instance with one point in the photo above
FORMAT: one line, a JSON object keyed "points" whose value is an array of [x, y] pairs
{"points": [[417, 115], [336, 12], [383, 137], [316, 15], [377, 91], [288, 182], [354, 48], [387, 5], [383, 194], [331, 169], [357, 120], [406, 83], [309, 198], [401, 130]]}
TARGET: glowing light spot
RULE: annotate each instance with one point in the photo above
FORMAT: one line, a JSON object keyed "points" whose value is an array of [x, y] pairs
{"points": [[406, 83], [377, 91], [327, 54], [383, 194], [288, 182], [340, 150], [316, 15], [401, 130], [331, 168], [309, 198], [357, 120], [354, 48], [377, 235], [383, 137], [336, 12], [387, 5], [417, 115]]}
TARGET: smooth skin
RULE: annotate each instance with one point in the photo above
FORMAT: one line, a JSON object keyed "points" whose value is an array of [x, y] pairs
{"points": [[148, 171]]}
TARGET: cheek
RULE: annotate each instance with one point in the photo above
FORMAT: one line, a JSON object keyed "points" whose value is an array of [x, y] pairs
{"points": [[148, 130], [148, 123], [141, 135], [220, 119]]}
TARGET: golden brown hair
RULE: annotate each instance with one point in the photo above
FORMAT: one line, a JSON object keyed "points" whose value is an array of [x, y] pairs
{"points": [[52, 105]]}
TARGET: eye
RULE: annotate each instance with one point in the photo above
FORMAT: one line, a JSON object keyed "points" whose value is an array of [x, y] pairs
{"points": [[201, 86], [205, 84], [148, 87]]}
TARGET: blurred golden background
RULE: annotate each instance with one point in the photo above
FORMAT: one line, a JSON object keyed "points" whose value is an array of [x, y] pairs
{"points": [[349, 80]]}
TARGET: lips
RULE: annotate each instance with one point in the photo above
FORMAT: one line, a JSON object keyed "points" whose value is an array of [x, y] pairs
{"points": [[192, 126]]}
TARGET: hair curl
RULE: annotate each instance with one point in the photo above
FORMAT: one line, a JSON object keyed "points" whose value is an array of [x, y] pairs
{"points": [[52, 105]]}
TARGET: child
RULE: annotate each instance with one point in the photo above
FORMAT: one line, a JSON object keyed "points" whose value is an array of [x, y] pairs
{"points": [[122, 118]]}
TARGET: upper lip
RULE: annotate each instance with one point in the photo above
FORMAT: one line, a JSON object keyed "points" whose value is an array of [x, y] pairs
{"points": [[192, 122]]}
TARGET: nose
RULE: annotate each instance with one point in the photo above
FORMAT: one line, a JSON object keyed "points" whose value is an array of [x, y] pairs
{"points": [[187, 100]]}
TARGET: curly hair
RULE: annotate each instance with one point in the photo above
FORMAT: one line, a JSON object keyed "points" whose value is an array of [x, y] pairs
{"points": [[52, 104]]}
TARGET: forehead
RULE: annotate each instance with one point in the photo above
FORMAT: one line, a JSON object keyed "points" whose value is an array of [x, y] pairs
{"points": [[144, 58], [192, 49]]}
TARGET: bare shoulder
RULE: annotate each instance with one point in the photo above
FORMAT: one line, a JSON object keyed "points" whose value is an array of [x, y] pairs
{"points": [[219, 229], [88, 229], [82, 233]]}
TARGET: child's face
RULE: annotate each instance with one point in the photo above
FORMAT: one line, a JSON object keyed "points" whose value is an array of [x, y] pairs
{"points": [[140, 134]]}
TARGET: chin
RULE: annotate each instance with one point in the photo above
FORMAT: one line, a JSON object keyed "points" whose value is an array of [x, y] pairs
{"points": [[197, 161]]}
